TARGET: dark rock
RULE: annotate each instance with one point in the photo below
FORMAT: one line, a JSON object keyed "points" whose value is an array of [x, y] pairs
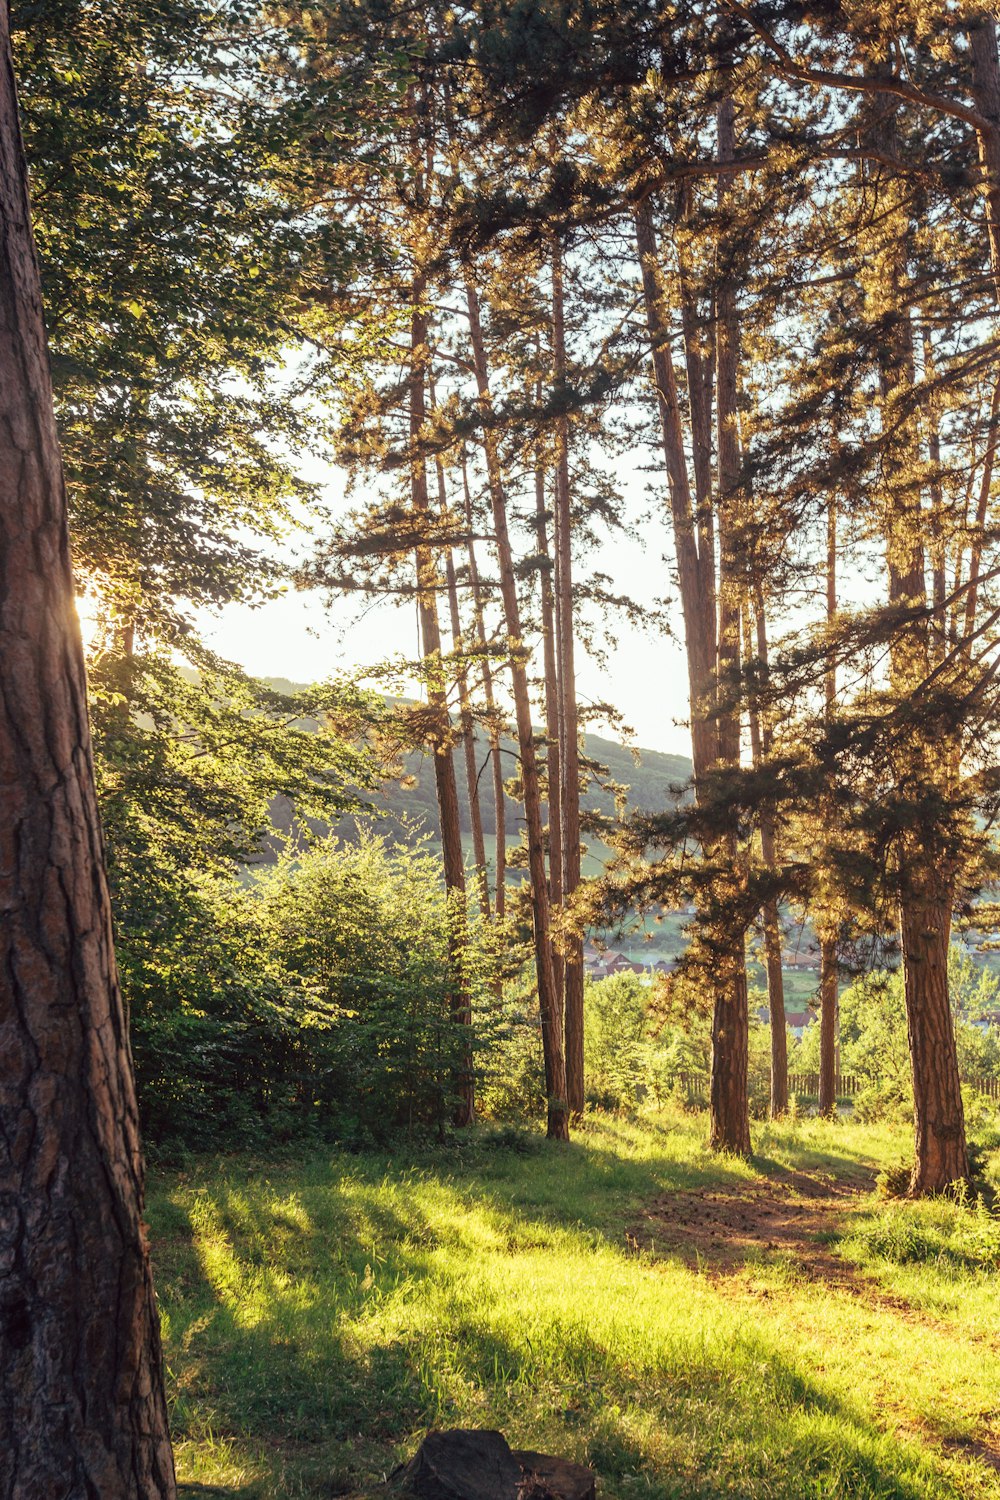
{"points": [[548, 1478], [474, 1464], [462, 1464]]}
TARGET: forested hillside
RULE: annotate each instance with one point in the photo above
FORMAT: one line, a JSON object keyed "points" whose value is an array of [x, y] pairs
{"points": [[644, 780]]}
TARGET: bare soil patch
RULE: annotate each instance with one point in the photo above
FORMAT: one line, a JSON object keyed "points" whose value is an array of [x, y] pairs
{"points": [[791, 1217]]}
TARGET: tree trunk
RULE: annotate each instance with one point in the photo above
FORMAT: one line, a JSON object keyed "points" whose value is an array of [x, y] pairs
{"points": [[939, 1119], [552, 730], [568, 716], [776, 1006], [829, 980], [694, 547], [465, 709], [925, 888], [82, 1408], [445, 782], [731, 1028], [548, 996], [829, 983], [496, 764], [760, 742], [986, 92]]}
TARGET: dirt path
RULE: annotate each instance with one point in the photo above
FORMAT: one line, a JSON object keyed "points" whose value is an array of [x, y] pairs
{"points": [[787, 1217]]}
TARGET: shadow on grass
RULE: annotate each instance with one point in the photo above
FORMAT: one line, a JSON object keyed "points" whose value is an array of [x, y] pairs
{"points": [[298, 1328]]}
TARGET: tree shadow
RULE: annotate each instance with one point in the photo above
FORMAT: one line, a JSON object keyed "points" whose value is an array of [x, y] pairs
{"points": [[298, 1324]]}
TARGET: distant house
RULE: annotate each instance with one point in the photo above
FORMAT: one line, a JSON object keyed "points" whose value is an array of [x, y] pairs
{"points": [[803, 959], [795, 1020]]}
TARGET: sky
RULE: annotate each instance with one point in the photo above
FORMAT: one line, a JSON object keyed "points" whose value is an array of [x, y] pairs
{"points": [[644, 676]]}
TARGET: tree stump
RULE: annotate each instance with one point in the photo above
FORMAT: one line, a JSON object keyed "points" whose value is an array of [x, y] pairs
{"points": [[474, 1464]]}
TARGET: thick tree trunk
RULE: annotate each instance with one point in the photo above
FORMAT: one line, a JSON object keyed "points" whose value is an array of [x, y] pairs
{"points": [[568, 716], [730, 1120], [82, 1408], [829, 981], [445, 782], [939, 1119], [549, 1004]]}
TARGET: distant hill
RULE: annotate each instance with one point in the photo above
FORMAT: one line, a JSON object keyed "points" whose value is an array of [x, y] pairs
{"points": [[653, 780]]}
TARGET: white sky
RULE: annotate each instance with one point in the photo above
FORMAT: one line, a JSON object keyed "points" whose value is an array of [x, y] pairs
{"points": [[645, 677]]}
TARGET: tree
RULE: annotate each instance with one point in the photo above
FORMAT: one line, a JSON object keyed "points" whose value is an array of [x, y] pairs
{"points": [[82, 1405]]}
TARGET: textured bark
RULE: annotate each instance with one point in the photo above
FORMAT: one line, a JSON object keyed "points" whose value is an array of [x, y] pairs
{"points": [[82, 1409], [445, 781], [549, 1000], [568, 715], [941, 1156]]}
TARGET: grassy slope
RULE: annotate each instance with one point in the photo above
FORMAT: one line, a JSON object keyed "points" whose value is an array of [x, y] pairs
{"points": [[320, 1315]]}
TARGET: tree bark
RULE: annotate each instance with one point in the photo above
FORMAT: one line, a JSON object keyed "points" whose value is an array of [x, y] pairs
{"points": [[496, 764], [694, 549], [925, 887], [941, 1157], [82, 1407], [549, 1004], [465, 710], [760, 741], [829, 983], [829, 980], [568, 716], [445, 782], [553, 735], [731, 1025]]}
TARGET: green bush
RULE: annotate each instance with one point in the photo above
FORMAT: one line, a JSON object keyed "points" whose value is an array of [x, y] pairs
{"points": [[318, 1000]]}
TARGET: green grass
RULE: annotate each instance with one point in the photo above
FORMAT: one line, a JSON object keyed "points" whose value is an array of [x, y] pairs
{"points": [[320, 1314]]}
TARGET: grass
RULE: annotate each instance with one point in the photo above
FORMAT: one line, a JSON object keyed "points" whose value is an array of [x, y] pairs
{"points": [[320, 1314]]}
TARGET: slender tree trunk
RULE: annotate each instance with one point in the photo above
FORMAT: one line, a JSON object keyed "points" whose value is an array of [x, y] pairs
{"points": [[82, 1408], [731, 1026], [552, 729], [986, 92], [548, 996], [568, 716], [445, 782], [465, 709], [829, 980], [693, 546], [760, 741], [496, 764], [829, 971]]}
